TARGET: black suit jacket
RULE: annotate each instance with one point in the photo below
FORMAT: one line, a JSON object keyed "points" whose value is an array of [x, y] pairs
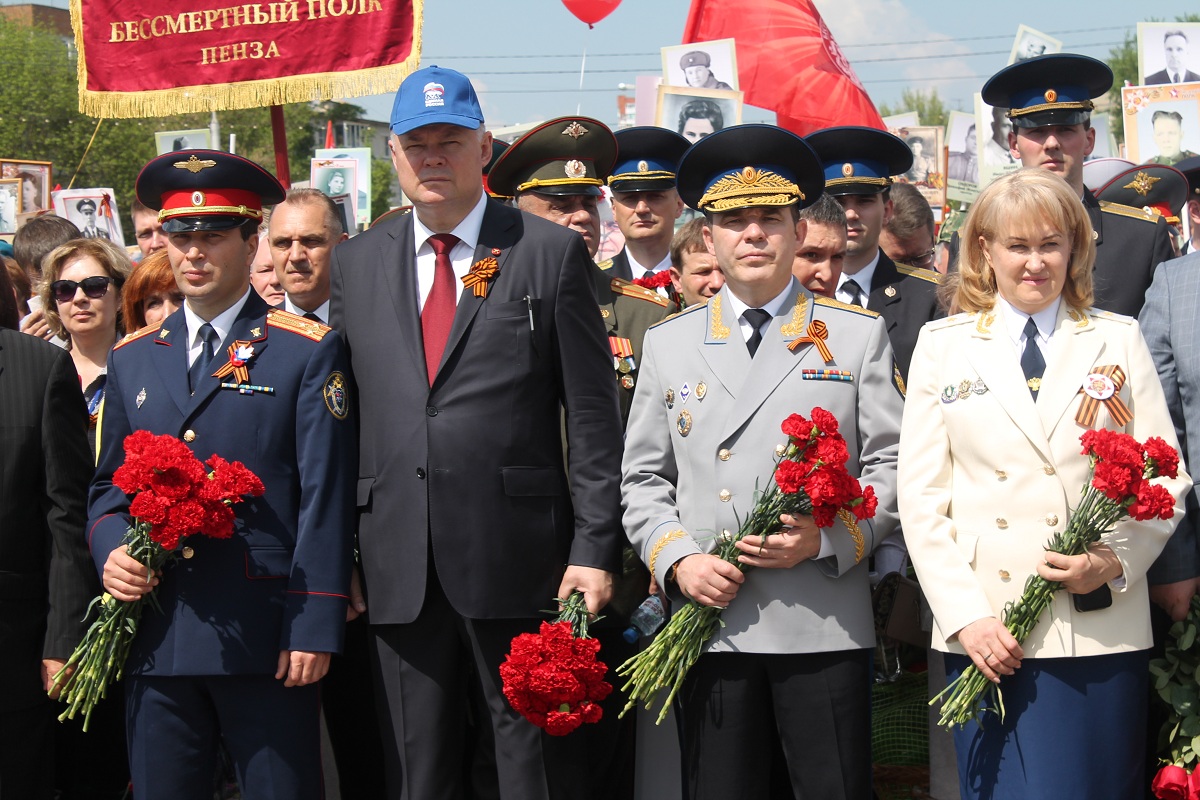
{"points": [[1162, 77], [46, 575], [906, 302], [471, 469]]}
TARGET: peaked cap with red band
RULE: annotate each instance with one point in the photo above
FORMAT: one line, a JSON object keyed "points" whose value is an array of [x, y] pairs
{"points": [[206, 190]]}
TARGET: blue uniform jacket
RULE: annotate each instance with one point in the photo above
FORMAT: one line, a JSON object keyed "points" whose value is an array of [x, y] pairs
{"points": [[281, 582]]}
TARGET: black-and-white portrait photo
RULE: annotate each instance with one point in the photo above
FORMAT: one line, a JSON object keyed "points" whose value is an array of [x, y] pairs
{"points": [[701, 65], [963, 162], [1032, 43], [87, 209], [1167, 52], [696, 113]]}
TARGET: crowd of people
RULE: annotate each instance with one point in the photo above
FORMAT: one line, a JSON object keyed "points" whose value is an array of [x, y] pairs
{"points": [[459, 415]]}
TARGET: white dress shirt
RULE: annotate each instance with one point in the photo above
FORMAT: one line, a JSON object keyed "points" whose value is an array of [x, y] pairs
{"points": [[460, 256], [863, 278], [221, 324]]}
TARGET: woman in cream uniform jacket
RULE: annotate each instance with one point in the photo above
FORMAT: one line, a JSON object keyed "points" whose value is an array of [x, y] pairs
{"points": [[988, 473]]}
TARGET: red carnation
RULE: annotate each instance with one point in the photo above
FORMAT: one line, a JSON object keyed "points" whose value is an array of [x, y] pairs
{"points": [[789, 476], [659, 280], [1151, 501], [866, 509], [1164, 457], [832, 450], [825, 421], [1115, 481], [797, 427]]}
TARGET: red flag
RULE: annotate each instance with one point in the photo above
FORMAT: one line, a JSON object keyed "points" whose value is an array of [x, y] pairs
{"points": [[329, 143], [787, 62]]}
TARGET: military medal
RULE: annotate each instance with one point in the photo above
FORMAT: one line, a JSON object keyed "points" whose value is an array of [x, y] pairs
{"points": [[978, 387], [622, 350], [669, 396], [627, 381], [964, 390], [141, 397], [701, 390], [949, 394], [1103, 386], [1099, 386], [684, 393], [684, 423]]}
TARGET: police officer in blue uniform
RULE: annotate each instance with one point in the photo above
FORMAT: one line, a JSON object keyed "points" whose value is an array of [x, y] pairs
{"points": [[247, 624]]}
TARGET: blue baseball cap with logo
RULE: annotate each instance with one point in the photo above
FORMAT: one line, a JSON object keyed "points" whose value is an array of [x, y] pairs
{"points": [[435, 95]]}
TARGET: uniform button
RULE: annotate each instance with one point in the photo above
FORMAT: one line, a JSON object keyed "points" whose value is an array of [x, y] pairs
{"points": [[1004, 575], [189, 436], [431, 411], [421, 473], [1048, 469], [188, 552], [1001, 523], [723, 454], [1001, 475], [1052, 519], [725, 495]]}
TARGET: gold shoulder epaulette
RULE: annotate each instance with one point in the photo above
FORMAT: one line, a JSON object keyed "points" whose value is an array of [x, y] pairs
{"points": [[641, 292], [286, 320], [678, 314], [1098, 313], [138, 334], [950, 322], [821, 300], [606, 264], [924, 274], [1128, 211]]}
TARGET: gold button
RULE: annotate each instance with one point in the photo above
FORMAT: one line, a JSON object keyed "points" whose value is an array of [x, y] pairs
{"points": [[1001, 475], [725, 495], [1048, 469], [189, 436], [723, 454], [1052, 519], [1004, 575], [188, 552], [1001, 523]]}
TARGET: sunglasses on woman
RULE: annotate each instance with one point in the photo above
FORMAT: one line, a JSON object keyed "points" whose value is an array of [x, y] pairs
{"points": [[94, 287]]}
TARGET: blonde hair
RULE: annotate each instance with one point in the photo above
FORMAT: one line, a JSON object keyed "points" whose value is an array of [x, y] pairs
{"points": [[112, 258], [1025, 197]]}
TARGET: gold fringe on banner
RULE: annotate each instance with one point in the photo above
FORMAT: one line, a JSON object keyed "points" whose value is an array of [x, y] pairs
{"points": [[243, 94]]}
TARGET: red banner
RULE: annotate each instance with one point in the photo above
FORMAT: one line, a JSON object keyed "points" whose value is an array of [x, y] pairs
{"points": [[140, 58], [787, 62]]}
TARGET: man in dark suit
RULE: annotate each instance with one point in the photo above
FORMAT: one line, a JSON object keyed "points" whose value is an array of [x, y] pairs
{"points": [[469, 325], [1175, 46], [247, 624], [858, 163], [46, 578]]}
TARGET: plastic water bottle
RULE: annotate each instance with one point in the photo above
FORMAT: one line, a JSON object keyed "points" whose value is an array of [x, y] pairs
{"points": [[646, 619]]}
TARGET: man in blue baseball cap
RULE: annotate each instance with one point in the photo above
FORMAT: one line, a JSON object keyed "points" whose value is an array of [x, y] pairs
{"points": [[470, 325]]}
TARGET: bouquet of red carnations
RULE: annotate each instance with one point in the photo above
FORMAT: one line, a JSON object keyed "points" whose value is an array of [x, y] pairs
{"points": [[810, 477], [174, 496], [553, 678], [1119, 487]]}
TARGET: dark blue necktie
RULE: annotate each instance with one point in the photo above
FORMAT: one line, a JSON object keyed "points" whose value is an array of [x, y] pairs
{"points": [[207, 350], [757, 318], [1032, 363]]}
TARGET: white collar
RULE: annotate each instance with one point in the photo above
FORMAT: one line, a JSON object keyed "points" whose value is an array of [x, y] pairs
{"points": [[467, 230], [1014, 321], [772, 307], [638, 268], [321, 311], [221, 323], [863, 276]]}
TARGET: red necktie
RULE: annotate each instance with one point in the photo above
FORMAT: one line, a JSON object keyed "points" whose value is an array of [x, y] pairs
{"points": [[438, 314]]}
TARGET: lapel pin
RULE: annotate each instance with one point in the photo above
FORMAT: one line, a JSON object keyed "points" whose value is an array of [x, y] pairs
{"points": [[701, 390], [141, 397], [164, 333], [685, 392], [669, 396], [949, 394], [890, 291], [256, 332], [684, 423]]}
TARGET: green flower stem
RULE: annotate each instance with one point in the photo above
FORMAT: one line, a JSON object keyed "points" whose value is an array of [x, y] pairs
{"points": [[971, 693]]}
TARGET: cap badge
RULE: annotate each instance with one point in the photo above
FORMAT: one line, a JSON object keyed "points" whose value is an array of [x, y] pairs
{"points": [[434, 95], [1142, 183], [197, 198], [847, 170], [574, 130], [575, 169], [194, 165], [643, 166], [1050, 95]]}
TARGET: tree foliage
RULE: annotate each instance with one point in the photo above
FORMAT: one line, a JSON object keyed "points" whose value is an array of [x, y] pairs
{"points": [[42, 122], [929, 106]]}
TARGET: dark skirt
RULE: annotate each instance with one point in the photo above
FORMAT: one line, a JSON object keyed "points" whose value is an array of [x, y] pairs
{"points": [[1074, 728]]}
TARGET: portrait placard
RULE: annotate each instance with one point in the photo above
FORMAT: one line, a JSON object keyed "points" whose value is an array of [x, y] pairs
{"points": [[927, 173], [337, 177], [701, 65], [696, 113], [10, 204], [94, 212], [362, 177], [992, 127], [905, 119], [35, 183], [170, 141], [1162, 122], [1168, 52], [962, 163], [1030, 43]]}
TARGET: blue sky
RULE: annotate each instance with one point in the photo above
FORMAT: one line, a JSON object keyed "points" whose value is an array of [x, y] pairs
{"points": [[524, 57]]}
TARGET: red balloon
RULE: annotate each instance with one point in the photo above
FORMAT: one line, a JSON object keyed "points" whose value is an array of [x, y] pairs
{"points": [[591, 11]]}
